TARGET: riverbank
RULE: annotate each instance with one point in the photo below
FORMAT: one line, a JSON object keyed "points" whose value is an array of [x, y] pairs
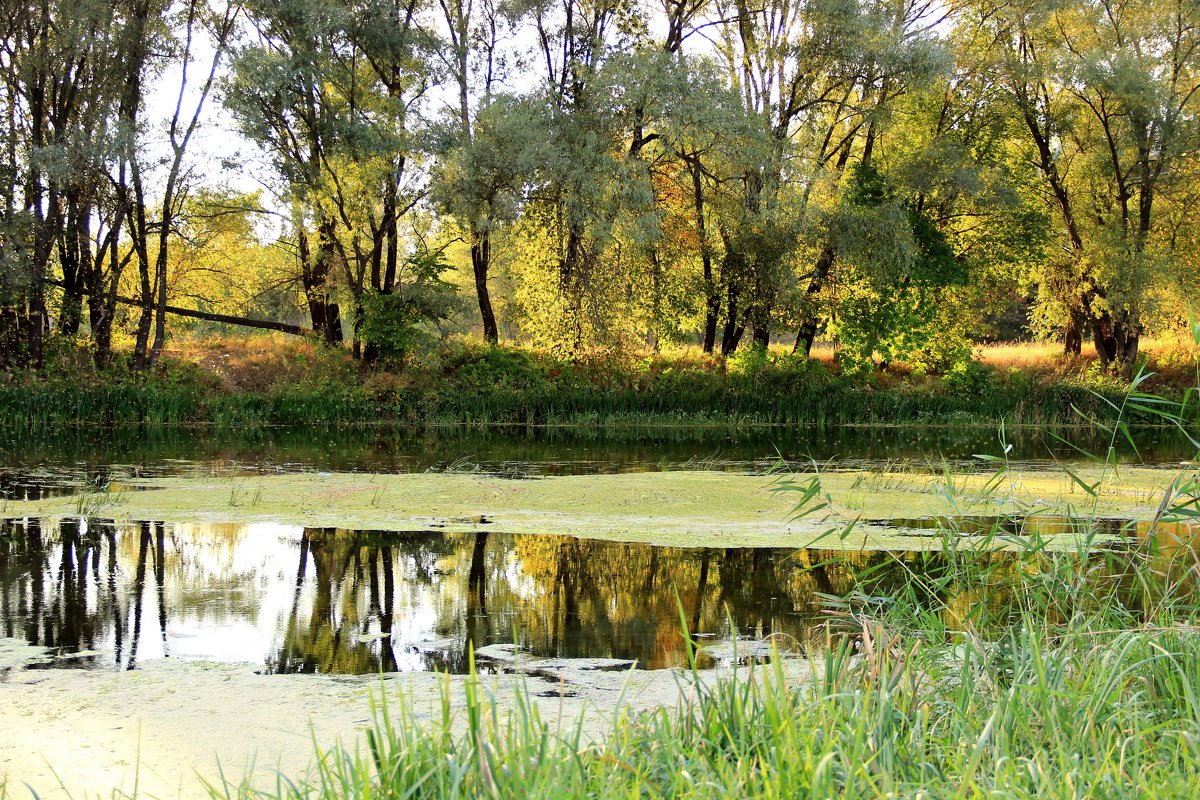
{"points": [[262, 381]]}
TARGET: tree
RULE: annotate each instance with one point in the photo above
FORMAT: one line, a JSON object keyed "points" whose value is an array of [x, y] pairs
{"points": [[1106, 92], [488, 169], [328, 91]]}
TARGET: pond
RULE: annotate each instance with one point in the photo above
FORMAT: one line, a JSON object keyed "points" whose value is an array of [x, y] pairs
{"points": [[89, 452], [309, 600], [295, 599]]}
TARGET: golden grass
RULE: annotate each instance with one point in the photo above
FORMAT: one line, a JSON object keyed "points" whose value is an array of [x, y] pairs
{"points": [[259, 362], [1026, 355]]}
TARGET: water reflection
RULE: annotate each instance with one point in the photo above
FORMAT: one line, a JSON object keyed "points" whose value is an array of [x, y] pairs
{"points": [[339, 601]]}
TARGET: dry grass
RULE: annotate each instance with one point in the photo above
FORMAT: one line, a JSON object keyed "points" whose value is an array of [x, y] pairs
{"points": [[260, 362], [257, 363], [1173, 360], [1028, 355]]}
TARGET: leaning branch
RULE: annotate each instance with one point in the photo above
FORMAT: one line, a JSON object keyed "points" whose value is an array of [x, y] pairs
{"points": [[228, 319], [245, 322]]}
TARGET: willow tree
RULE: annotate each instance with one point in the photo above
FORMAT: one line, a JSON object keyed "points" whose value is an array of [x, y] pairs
{"points": [[89, 200], [481, 159], [1106, 94], [327, 90], [73, 76], [479, 180], [789, 63], [937, 228], [587, 174], [1134, 74]]}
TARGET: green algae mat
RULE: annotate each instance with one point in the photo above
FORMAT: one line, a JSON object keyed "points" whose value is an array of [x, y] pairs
{"points": [[858, 510]]}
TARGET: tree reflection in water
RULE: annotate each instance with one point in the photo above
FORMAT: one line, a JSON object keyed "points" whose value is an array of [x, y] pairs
{"points": [[340, 601]]}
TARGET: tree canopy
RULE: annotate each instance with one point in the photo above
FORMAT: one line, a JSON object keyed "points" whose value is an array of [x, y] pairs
{"points": [[889, 174]]}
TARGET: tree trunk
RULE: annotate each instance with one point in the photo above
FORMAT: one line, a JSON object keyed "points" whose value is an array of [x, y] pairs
{"points": [[74, 253], [761, 335], [160, 305], [731, 332], [711, 311], [712, 297], [315, 268], [481, 261], [141, 343], [807, 332], [1117, 341], [140, 230], [1073, 335]]}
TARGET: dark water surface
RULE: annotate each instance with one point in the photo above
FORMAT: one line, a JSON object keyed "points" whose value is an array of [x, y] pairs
{"points": [[32, 465]]}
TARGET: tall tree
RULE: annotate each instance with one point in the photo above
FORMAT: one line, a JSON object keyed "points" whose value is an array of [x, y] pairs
{"points": [[1106, 92]]}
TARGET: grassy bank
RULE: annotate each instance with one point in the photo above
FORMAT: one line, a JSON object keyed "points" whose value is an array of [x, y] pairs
{"points": [[247, 382]]}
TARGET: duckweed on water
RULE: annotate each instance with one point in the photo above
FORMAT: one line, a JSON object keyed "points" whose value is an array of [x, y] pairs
{"points": [[690, 508]]}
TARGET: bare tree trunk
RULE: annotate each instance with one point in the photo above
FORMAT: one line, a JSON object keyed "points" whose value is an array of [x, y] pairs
{"points": [[1073, 333], [481, 261], [315, 268], [761, 335], [712, 297], [807, 332]]}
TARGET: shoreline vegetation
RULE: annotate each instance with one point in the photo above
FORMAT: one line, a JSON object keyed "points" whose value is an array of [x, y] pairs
{"points": [[264, 380]]}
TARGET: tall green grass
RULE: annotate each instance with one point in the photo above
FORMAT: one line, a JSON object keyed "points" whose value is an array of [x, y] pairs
{"points": [[57, 404], [469, 384]]}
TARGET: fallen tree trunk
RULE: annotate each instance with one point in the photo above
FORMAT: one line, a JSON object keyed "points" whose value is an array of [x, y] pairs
{"points": [[245, 322], [228, 319]]}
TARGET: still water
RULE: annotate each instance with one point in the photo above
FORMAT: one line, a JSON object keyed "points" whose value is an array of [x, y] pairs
{"points": [[94, 453], [309, 600], [326, 600], [292, 599], [36, 465]]}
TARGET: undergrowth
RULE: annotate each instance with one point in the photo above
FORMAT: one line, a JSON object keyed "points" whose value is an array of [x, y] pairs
{"points": [[232, 385]]}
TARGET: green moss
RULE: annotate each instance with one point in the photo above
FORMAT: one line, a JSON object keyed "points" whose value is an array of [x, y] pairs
{"points": [[713, 509]]}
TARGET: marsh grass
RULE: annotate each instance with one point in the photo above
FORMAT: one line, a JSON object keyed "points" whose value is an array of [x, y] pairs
{"points": [[472, 385]]}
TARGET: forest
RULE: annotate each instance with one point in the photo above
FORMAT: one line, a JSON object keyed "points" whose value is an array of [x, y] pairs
{"points": [[901, 178]]}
